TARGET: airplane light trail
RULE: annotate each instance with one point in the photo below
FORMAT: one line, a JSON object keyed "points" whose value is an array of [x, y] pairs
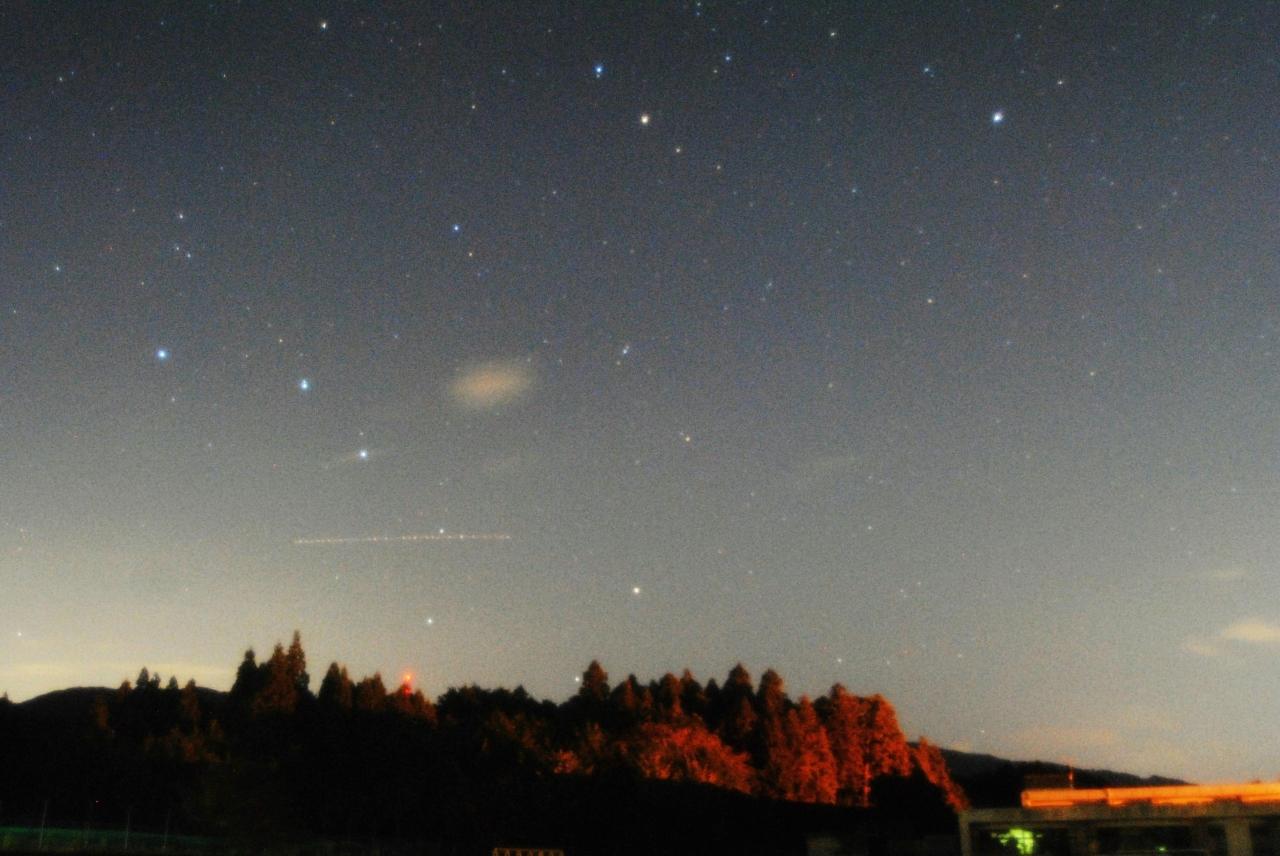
{"points": [[390, 539]]}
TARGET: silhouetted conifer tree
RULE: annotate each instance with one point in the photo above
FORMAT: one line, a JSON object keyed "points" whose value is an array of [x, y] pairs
{"points": [[735, 708], [771, 697], [927, 759], [843, 716], [886, 746], [738, 683], [277, 685], [296, 660], [801, 767], [336, 690], [667, 699], [624, 701], [411, 703], [738, 727], [693, 698], [370, 695], [189, 707], [595, 683], [247, 681]]}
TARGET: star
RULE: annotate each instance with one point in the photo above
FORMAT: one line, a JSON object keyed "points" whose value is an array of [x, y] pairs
{"points": [[997, 118], [457, 227], [598, 70], [324, 25], [304, 385], [645, 118], [363, 454], [635, 590], [162, 354]]}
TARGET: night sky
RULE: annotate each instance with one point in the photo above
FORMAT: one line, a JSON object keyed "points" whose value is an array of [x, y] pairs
{"points": [[932, 349]]}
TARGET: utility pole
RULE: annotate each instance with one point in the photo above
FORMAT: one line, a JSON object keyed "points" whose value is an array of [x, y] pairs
{"points": [[44, 815]]}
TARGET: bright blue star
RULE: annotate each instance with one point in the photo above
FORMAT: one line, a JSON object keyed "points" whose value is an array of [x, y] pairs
{"points": [[363, 454], [598, 70], [457, 227], [162, 354], [304, 385], [997, 118]]}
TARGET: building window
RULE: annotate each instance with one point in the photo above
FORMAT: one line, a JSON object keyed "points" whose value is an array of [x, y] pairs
{"points": [[1023, 841], [1146, 841]]}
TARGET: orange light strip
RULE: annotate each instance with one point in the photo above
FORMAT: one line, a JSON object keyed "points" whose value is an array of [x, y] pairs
{"points": [[1250, 792]]}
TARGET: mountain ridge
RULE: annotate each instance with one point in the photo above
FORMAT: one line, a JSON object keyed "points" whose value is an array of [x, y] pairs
{"points": [[990, 781]]}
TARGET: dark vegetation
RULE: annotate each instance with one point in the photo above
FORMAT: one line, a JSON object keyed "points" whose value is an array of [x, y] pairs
{"points": [[666, 766]]}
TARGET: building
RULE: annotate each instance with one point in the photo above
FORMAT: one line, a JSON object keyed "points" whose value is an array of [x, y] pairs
{"points": [[1177, 820]]}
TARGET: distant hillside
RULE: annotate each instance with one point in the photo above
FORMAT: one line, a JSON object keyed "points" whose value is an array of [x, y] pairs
{"points": [[75, 704], [990, 781]]}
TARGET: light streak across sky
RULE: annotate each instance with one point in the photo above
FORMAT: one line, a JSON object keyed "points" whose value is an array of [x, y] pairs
{"points": [[392, 539]]}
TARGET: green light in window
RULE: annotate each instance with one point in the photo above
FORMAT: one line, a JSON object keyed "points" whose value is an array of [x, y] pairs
{"points": [[1024, 840]]}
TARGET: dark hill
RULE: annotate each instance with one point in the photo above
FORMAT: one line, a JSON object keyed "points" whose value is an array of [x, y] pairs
{"points": [[69, 705], [990, 781], [75, 704]]}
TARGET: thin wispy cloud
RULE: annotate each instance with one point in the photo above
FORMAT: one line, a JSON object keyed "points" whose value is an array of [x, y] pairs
{"points": [[1254, 631], [1202, 647], [1224, 574]]}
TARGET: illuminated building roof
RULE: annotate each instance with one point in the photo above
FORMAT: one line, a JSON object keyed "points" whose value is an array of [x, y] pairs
{"points": [[1255, 792]]}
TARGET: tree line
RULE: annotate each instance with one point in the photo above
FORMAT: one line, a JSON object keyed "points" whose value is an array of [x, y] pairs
{"points": [[356, 758]]}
